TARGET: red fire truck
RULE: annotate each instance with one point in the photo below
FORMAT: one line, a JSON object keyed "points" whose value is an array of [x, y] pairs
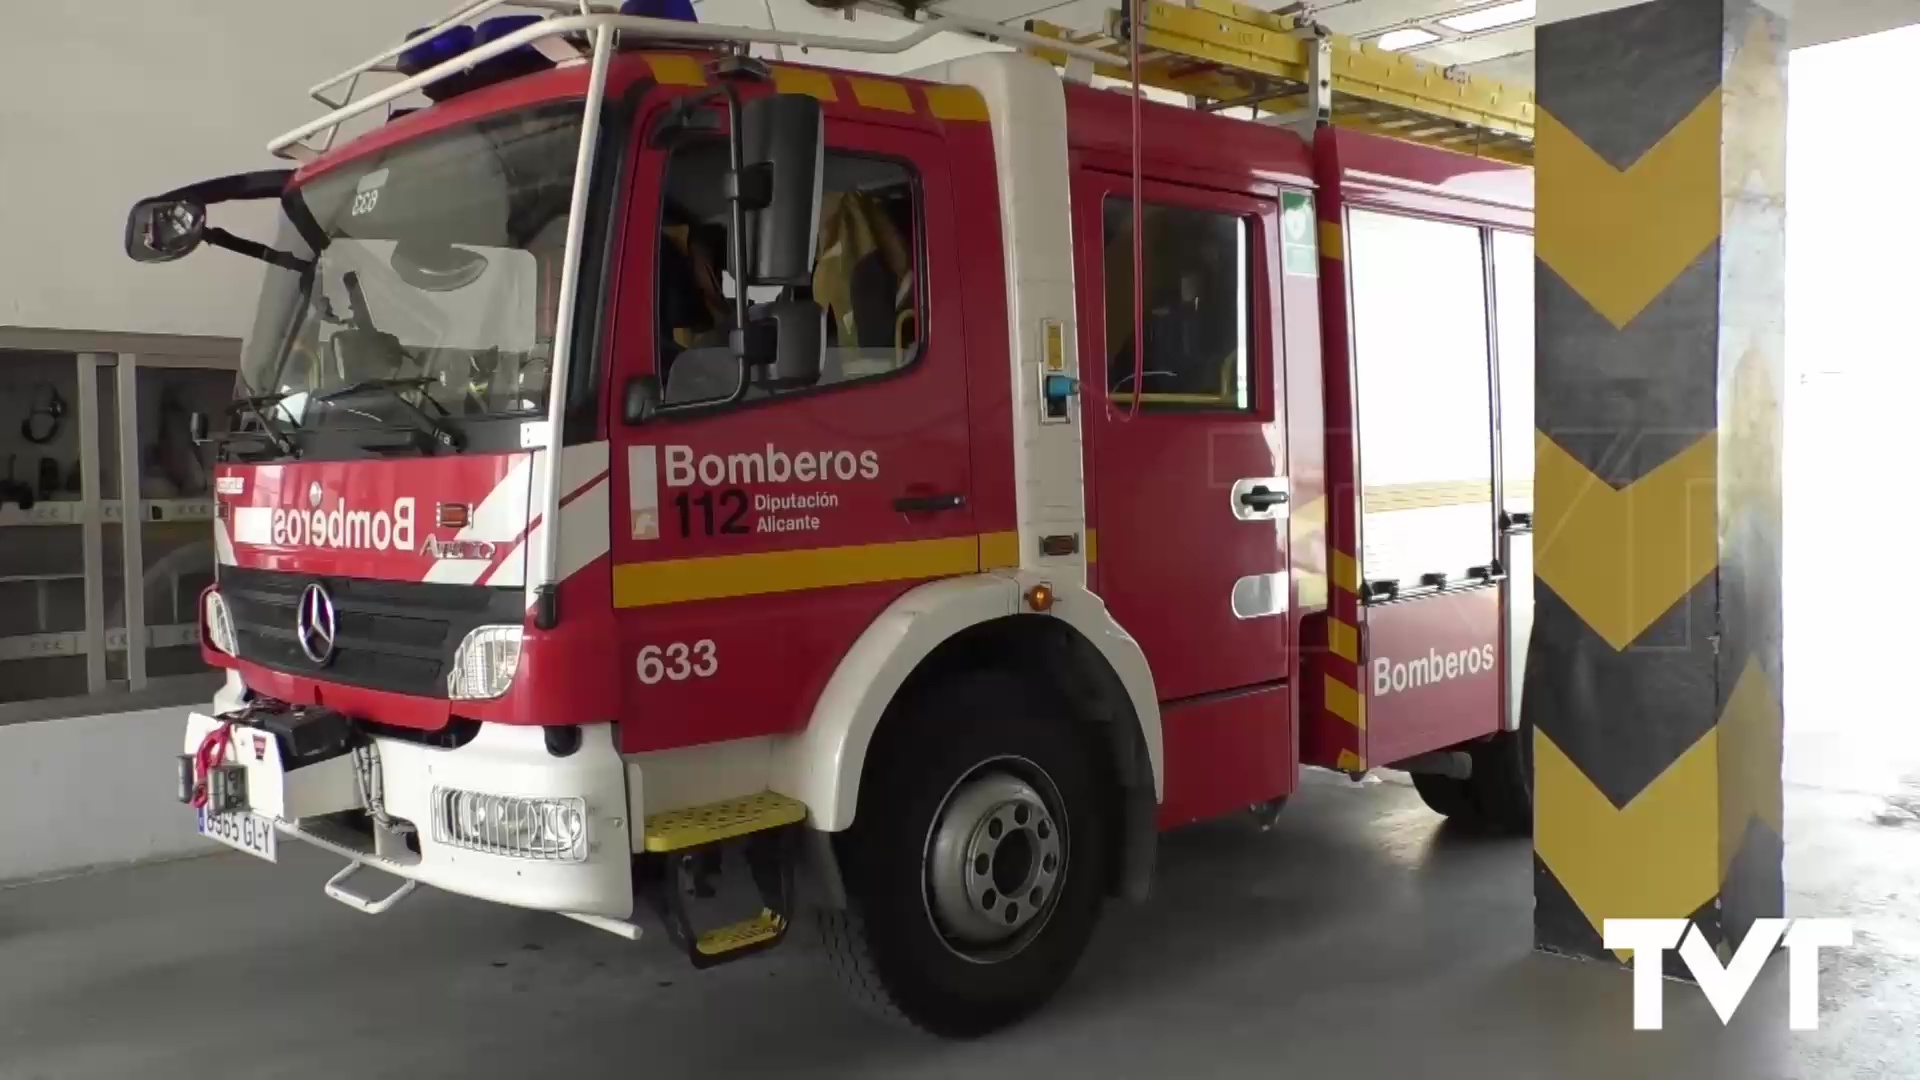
{"points": [[655, 467]]}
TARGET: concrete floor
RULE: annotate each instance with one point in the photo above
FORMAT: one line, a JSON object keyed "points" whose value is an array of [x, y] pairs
{"points": [[1359, 937]]}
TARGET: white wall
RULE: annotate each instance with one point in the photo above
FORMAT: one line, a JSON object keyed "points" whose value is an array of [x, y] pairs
{"points": [[91, 790], [104, 103]]}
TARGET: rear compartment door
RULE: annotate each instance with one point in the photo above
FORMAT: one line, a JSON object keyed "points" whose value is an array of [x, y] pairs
{"points": [[753, 542]]}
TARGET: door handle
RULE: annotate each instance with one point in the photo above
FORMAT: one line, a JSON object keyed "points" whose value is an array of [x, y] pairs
{"points": [[927, 504], [1262, 497]]}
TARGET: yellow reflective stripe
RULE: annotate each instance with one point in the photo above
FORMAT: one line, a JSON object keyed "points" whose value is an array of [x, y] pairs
{"points": [[999, 550], [676, 581], [955, 103], [792, 80], [880, 94], [1346, 575], [1343, 640], [1331, 245], [1344, 702], [670, 69], [1348, 761]]}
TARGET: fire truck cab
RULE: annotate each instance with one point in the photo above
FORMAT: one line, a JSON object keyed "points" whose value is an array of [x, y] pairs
{"points": [[654, 466]]}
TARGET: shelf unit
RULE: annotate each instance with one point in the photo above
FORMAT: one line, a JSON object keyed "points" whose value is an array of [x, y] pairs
{"points": [[82, 571], [74, 512], [74, 642]]}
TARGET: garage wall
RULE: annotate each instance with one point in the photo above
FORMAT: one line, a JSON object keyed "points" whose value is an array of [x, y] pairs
{"points": [[159, 93], [91, 791], [101, 104]]}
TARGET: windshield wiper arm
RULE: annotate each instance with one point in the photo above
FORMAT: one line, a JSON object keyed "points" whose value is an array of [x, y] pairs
{"points": [[443, 433], [258, 405]]}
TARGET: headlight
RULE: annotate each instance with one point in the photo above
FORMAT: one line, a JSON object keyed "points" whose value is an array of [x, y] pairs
{"points": [[554, 830], [220, 623], [484, 664]]}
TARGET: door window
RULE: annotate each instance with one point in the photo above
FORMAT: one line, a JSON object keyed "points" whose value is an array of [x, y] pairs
{"points": [[866, 275], [1425, 396], [1197, 312]]}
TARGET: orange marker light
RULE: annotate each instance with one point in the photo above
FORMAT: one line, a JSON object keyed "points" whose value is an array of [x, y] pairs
{"points": [[452, 515], [1040, 597]]}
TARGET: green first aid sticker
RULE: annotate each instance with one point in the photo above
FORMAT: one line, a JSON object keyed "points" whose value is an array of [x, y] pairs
{"points": [[1298, 255]]}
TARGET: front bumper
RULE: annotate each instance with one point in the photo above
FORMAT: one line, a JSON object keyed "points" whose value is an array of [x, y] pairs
{"points": [[502, 760]]}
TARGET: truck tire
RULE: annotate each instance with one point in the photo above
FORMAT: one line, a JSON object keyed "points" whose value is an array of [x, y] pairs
{"points": [[1498, 796], [977, 863]]}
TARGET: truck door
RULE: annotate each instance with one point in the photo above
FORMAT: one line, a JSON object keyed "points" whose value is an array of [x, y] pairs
{"points": [[754, 539], [1188, 493]]}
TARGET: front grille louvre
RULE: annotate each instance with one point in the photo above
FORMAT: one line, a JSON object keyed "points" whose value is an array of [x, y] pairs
{"points": [[397, 636]]}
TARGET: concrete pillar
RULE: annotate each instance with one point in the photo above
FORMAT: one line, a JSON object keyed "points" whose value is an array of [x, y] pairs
{"points": [[1653, 680]]}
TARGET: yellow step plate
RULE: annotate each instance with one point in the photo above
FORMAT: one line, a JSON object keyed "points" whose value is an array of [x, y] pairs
{"points": [[677, 830], [744, 934]]}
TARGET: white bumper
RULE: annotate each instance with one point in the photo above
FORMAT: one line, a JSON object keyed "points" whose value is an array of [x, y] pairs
{"points": [[503, 760]]}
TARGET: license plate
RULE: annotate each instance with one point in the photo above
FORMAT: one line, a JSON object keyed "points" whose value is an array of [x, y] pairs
{"points": [[242, 831]]}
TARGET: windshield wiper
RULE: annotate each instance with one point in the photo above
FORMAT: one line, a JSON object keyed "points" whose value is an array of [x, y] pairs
{"points": [[258, 405], [443, 433]]}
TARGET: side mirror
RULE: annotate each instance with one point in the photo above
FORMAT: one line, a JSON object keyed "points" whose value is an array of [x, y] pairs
{"points": [[784, 155], [787, 338], [162, 230]]}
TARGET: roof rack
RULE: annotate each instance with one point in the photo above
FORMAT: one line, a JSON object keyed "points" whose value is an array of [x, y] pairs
{"points": [[1227, 55], [564, 36]]}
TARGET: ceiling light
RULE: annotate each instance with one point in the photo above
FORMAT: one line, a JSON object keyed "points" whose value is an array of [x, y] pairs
{"points": [[1487, 18], [1406, 38]]}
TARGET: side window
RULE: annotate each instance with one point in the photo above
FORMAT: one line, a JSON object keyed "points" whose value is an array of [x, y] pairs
{"points": [[1425, 396], [1197, 323], [866, 275]]}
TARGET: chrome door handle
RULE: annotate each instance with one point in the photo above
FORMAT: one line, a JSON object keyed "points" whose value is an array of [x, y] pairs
{"points": [[1260, 498]]}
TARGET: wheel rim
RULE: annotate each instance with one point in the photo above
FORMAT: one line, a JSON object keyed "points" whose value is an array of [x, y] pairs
{"points": [[995, 859]]}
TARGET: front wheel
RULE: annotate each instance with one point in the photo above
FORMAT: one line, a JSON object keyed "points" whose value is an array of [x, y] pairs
{"points": [[976, 866]]}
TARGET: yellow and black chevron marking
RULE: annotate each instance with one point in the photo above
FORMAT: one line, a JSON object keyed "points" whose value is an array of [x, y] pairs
{"points": [[1652, 681]]}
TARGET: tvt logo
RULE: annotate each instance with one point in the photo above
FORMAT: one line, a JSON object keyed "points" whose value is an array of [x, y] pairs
{"points": [[1726, 987]]}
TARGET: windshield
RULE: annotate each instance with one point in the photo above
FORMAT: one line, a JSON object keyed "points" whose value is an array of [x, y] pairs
{"points": [[439, 265]]}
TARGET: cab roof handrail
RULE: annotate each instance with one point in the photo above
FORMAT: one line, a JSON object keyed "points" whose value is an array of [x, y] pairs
{"points": [[548, 35]]}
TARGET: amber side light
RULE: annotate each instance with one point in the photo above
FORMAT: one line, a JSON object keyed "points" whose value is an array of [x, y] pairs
{"points": [[453, 515]]}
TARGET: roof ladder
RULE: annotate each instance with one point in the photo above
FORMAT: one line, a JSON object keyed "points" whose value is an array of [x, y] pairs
{"points": [[1227, 55]]}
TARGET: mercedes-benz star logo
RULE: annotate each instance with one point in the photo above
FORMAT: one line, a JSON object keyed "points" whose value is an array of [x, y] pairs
{"points": [[315, 495], [313, 626]]}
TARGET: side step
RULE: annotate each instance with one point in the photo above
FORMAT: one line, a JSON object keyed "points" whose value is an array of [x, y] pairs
{"points": [[712, 823], [762, 828]]}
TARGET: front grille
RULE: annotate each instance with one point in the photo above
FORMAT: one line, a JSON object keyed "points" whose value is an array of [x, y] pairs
{"points": [[390, 635]]}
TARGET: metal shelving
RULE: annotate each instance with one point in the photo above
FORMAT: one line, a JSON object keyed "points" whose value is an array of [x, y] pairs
{"points": [[74, 512], [77, 570], [74, 642]]}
